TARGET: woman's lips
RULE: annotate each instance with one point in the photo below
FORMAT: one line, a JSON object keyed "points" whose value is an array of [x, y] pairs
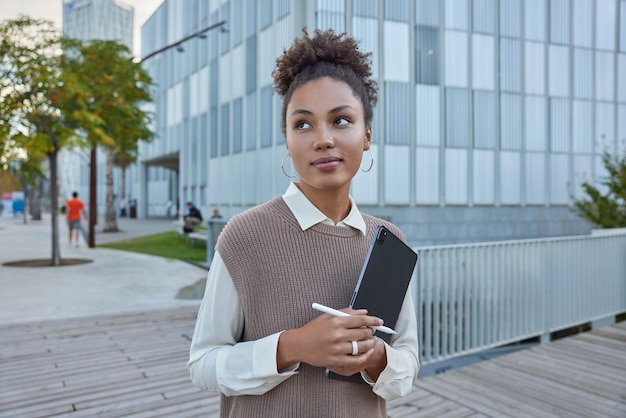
{"points": [[327, 163]]}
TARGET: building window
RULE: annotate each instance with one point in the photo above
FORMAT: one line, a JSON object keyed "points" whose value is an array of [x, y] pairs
{"points": [[237, 125], [427, 55], [225, 128], [266, 116], [265, 18]]}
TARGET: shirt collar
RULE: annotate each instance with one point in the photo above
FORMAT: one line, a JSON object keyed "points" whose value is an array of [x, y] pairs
{"points": [[308, 215]]}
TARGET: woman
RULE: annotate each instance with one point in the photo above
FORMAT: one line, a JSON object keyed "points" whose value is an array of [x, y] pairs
{"points": [[257, 340]]}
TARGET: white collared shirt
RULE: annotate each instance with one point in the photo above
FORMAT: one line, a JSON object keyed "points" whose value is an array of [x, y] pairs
{"points": [[219, 362]]}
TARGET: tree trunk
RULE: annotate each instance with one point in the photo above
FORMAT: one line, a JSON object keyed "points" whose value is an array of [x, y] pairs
{"points": [[110, 220], [54, 209], [35, 201], [123, 185]]}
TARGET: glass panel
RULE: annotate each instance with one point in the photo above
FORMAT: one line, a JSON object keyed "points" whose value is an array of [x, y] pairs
{"points": [[511, 121], [605, 75], [483, 16], [456, 67], [213, 131], [559, 176], [251, 64], [510, 12], [366, 8], [224, 36], [510, 178], [397, 119], [427, 175], [558, 70], [427, 55], [427, 118], [583, 73], [426, 12], [366, 31], [456, 176], [583, 23], [250, 121], [397, 10], [559, 125], [483, 67], [621, 77], [225, 128], [237, 23], [484, 119], [266, 116], [582, 120], [535, 19], [510, 65], [605, 24], [282, 8], [237, 125], [457, 118], [534, 65], [456, 14], [535, 123], [535, 178], [559, 24], [622, 26], [265, 13], [605, 128], [251, 16], [483, 177]]}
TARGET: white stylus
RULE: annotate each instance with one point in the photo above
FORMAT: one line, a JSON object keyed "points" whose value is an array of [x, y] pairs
{"points": [[335, 312]]}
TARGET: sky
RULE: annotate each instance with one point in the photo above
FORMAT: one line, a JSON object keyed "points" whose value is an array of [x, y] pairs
{"points": [[53, 10]]}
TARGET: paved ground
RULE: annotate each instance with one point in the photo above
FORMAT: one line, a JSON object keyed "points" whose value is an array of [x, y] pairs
{"points": [[114, 282]]}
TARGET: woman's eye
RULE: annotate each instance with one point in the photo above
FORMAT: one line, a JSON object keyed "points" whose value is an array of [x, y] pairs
{"points": [[342, 122], [302, 125]]}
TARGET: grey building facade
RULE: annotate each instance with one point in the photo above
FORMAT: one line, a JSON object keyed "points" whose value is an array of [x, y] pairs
{"points": [[491, 113]]}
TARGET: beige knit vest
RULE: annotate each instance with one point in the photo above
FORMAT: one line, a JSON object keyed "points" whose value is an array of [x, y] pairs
{"points": [[279, 271]]}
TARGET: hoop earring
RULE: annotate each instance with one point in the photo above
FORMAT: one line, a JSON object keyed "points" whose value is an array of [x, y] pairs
{"points": [[282, 165], [371, 162]]}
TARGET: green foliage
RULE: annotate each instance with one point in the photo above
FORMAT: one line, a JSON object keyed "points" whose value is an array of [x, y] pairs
{"points": [[165, 244], [608, 209]]}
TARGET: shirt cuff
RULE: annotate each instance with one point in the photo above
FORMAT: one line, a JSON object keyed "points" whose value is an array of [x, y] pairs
{"points": [[265, 347]]}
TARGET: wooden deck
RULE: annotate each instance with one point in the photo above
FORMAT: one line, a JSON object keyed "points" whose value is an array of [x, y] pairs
{"points": [[133, 365]]}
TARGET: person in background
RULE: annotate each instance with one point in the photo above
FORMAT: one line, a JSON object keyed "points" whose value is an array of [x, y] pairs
{"points": [[74, 207], [257, 340], [192, 218], [216, 214]]}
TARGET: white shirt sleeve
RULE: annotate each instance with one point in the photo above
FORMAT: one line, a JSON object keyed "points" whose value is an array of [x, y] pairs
{"points": [[217, 361], [397, 379]]}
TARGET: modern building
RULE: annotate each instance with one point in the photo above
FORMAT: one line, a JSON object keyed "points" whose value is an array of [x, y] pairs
{"points": [[88, 20], [491, 112]]}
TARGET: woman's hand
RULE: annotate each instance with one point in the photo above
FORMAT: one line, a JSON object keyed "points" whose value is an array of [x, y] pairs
{"points": [[326, 341]]}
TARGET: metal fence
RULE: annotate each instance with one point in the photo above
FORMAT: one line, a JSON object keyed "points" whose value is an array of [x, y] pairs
{"points": [[473, 297]]}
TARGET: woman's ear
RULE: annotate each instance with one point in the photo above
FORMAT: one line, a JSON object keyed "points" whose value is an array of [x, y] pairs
{"points": [[368, 138]]}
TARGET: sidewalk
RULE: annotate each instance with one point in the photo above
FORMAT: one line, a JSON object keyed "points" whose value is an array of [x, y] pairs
{"points": [[114, 282]]}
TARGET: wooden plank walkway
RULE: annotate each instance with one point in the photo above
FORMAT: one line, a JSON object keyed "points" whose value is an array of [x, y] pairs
{"points": [[133, 365]]}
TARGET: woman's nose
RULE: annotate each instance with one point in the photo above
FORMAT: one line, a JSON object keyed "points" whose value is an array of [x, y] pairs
{"points": [[324, 139]]}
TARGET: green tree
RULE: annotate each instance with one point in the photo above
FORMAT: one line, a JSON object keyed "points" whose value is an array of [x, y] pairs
{"points": [[608, 209], [59, 93], [42, 106], [118, 87]]}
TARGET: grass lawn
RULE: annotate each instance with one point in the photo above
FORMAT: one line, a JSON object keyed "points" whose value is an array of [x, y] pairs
{"points": [[165, 244]]}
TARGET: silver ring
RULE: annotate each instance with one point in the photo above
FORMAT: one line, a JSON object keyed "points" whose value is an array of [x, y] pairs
{"points": [[355, 348]]}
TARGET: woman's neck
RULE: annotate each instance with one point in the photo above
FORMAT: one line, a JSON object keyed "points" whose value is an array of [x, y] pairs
{"points": [[335, 204]]}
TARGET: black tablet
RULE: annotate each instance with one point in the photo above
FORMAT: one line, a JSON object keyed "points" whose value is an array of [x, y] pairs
{"points": [[383, 283]]}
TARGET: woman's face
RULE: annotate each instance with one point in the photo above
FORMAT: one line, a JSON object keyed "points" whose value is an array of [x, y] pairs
{"points": [[326, 134]]}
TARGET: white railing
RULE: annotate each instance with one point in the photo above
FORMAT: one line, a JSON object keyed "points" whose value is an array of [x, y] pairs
{"points": [[473, 297]]}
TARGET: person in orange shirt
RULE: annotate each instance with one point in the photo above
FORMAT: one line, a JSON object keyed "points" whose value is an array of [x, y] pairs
{"points": [[74, 208]]}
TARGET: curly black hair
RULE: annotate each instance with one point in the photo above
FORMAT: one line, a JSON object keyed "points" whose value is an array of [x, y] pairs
{"points": [[326, 54]]}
